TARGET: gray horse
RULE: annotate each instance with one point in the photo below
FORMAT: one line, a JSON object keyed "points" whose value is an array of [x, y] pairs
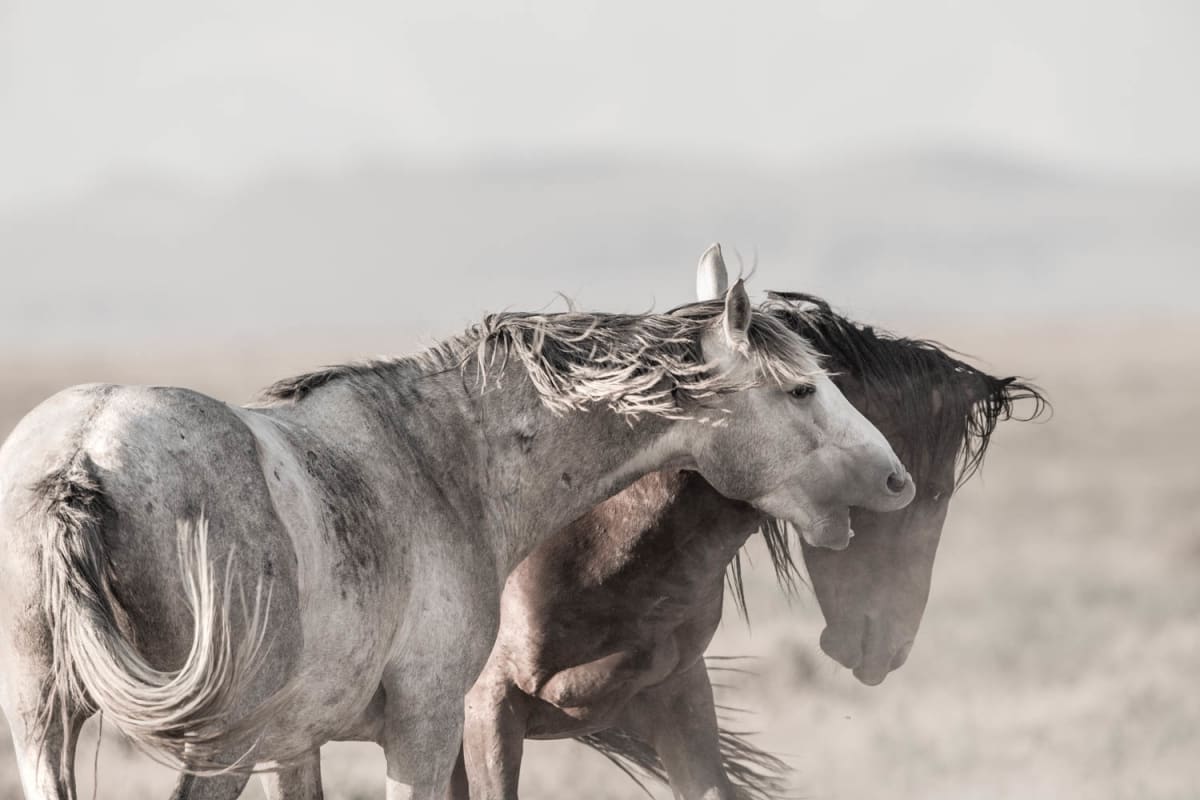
{"points": [[604, 623], [377, 509]]}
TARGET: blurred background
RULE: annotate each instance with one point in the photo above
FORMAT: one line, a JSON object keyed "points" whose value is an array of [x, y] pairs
{"points": [[221, 194]]}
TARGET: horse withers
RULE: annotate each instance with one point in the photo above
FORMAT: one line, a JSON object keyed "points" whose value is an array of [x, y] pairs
{"points": [[239, 585]]}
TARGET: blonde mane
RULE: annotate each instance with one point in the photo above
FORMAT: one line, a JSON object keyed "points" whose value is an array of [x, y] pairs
{"points": [[633, 364]]}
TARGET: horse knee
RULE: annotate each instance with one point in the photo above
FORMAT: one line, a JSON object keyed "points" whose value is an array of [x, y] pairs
{"points": [[493, 703]]}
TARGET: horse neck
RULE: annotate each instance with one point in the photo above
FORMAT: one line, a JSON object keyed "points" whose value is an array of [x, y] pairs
{"points": [[498, 463], [546, 470], [708, 526], [672, 527]]}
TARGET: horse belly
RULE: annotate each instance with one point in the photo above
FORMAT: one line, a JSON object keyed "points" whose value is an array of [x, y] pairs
{"points": [[346, 607]]}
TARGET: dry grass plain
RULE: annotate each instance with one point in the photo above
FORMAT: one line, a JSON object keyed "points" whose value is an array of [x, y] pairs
{"points": [[1060, 649]]}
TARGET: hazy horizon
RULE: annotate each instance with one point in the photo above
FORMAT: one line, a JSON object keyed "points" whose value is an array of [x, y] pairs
{"points": [[171, 176], [392, 254]]}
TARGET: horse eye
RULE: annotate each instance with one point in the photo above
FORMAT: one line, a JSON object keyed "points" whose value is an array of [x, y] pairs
{"points": [[801, 392]]}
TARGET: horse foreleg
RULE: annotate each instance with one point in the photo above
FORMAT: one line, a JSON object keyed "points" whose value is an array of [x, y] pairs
{"points": [[300, 781], [422, 768], [679, 720], [494, 737], [422, 735], [424, 683]]}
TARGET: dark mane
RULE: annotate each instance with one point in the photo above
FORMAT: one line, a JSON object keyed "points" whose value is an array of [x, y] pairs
{"points": [[946, 402], [940, 407]]}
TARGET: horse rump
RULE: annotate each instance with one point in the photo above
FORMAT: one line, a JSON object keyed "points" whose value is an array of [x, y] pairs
{"points": [[188, 717]]}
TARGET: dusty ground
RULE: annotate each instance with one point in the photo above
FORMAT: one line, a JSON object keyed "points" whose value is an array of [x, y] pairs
{"points": [[1061, 645]]}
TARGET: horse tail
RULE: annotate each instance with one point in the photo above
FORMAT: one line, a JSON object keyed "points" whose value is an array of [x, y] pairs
{"points": [[755, 773], [182, 717]]}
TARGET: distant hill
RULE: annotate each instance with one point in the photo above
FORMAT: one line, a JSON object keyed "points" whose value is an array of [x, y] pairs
{"points": [[392, 248]]}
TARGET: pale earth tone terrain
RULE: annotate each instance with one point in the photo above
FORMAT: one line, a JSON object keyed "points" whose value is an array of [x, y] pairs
{"points": [[1061, 647]]}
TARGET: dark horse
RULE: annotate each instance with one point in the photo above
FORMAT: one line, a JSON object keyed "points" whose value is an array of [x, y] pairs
{"points": [[604, 626]]}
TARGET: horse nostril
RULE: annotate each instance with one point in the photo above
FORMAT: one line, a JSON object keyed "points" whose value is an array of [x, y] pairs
{"points": [[897, 482]]}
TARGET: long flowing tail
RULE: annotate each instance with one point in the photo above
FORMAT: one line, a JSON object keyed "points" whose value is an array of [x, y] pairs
{"points": [[755, 773], [182, 716]]}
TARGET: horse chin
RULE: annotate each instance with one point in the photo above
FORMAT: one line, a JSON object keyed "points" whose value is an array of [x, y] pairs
{"points": [[879, 660], [870, 677], [868, 655], [831, 531], [842, 646]]}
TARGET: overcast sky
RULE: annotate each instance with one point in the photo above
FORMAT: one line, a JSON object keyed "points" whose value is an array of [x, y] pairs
{"points": [[223, 90]]}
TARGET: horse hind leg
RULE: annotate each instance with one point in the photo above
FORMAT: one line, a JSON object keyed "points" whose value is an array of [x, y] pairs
{"points": [[210, 787], [44, 734], [44, 748]]}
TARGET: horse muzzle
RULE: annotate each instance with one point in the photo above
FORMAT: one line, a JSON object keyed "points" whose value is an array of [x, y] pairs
{"points": [[892, 491], [867, 651]]}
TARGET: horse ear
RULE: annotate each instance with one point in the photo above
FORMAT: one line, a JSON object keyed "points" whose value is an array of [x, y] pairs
{"points": [[710, 274], [736, 319]]}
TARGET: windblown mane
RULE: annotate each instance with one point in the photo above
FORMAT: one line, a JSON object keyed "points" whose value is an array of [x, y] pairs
{"points": [[944, 401], [939, 406], [632, 363]]}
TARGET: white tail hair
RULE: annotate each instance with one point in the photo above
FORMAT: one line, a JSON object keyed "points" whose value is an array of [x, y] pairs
{"points": [[188, 718], [189, 707]]}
